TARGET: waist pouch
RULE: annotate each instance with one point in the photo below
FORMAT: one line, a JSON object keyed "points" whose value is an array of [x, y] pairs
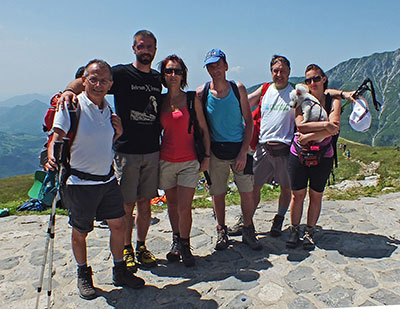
{"points": [[281, 150], [310, 155], [226, 150]]}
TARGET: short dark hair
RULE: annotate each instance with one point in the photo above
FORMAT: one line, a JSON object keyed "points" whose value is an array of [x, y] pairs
{"points": [[79, 72], [163, 63], [279, 58], [145, 34], [318, 68], [101, 63]]}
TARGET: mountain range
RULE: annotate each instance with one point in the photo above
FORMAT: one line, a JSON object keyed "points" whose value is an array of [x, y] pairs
{"points": [[21, 136]]}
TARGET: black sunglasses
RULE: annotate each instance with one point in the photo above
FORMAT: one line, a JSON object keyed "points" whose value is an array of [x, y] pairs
{"points": [[315, 79], [169, 71]]}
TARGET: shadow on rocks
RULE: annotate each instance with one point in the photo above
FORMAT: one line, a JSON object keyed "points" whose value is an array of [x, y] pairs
{"points": [[234, 269], [171, 296], [352, 244]]}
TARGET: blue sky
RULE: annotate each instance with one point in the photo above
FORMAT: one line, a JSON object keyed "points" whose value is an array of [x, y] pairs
{"points": [[43, 42]]}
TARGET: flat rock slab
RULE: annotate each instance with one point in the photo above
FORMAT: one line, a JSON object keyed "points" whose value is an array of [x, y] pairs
{"points": [[356, 262]]}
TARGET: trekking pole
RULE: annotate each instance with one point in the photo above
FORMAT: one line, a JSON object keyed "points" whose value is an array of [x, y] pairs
{"points": [[50, 235]]}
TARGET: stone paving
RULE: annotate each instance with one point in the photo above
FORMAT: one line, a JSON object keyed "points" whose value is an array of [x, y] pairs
{"points": [[356, 263]]}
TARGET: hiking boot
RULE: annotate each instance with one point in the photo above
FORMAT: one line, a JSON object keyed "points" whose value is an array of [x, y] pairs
{"points": [[236, 229], [85, 283], [129, 259], [145, 257], [308, 239], [249, 237], [173, 255], [276, 229], [186, 253], [293, 236], [222, 238], [123, 277]]}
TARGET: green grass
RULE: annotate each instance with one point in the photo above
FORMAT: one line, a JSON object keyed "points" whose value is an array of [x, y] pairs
{"points": [[14, 189], [389, 170]]}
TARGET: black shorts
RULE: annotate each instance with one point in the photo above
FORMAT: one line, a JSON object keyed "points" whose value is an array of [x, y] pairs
{"points": [[301, 174], [86, 203]]}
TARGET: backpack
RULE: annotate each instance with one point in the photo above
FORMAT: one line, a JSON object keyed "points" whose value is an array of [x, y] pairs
{"points": [[74, 114], [257, 118], [197, 133]]}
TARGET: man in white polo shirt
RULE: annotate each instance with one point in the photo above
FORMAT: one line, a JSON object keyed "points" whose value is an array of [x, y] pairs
{"points": [[92, 191]]}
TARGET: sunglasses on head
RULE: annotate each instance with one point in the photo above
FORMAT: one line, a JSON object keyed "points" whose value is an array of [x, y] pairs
{"points": [[169, 71], [315, 79]]}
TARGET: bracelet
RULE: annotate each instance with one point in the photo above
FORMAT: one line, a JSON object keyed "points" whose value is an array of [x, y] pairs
{"points": [[206, 156], [69, 89], [341, 94]]}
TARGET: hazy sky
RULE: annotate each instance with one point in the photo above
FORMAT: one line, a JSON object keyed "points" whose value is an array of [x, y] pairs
{"points": [[43, 42]]}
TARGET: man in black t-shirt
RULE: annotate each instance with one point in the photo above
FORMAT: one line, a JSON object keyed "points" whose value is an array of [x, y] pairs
{"points": [[137, 97]]}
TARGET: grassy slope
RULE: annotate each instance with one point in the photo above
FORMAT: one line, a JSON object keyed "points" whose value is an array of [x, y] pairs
{"points": [[14, 189]]}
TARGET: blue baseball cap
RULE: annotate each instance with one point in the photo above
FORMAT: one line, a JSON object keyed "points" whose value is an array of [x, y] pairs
{"points": [[213, 56]]}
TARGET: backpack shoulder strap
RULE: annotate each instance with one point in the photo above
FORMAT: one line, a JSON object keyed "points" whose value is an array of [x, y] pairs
{"points": [[74, 115], [190, 95], [206, 88], [236, 92], [264, 89]]}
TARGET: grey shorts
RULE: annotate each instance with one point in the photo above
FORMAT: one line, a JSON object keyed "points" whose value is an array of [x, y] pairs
{"points": [[185, 174], [268, 167], [138, 175], [219, 174], [86, 203]]}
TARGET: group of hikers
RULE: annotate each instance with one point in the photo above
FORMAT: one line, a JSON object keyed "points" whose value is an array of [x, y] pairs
{"points": [[220, 112]]}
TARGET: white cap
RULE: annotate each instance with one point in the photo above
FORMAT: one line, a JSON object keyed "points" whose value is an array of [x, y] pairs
{"points": [[360, 118]]}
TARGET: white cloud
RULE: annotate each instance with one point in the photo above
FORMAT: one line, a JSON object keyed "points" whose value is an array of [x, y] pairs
{"points": [[236, 69]]}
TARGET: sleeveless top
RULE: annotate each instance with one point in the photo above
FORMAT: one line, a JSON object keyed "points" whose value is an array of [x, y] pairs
{"points": [[225, 118], [177, 145]]}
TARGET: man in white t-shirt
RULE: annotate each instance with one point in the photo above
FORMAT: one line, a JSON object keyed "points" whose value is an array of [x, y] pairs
{"points": [[276, 132], [92, 191]]}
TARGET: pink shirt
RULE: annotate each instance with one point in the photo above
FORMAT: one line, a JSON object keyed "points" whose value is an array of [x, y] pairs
{"points": [[177, 145]]}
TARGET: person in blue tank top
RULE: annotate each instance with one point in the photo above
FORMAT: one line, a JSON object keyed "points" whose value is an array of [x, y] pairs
{"points": [[231, 126]]}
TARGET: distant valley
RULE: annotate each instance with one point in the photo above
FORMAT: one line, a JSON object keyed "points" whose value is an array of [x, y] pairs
{"points": [[21, 136]]}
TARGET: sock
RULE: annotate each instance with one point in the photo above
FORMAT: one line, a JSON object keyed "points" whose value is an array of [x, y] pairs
{"points": [[128, 247], [81, 266], [139, 244], [119, 263], [282, 210], [185, 241]]}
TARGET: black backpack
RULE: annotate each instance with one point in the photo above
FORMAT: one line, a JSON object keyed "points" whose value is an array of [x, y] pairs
{"points": [[197, 133]]}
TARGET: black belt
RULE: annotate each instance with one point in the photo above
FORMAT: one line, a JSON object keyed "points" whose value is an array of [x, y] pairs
{"points": [[87, 176]]}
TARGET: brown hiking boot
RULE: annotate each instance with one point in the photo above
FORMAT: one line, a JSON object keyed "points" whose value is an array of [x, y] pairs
{"points": [[222, 238], [236, 229], [276, 229], [308, 239], [249, 237], [186, 253], [123, 277], [85, 283]]}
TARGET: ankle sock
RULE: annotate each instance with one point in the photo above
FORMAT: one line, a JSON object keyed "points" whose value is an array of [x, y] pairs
{"points": [[139, 244], [128, 246], [119, 263]]}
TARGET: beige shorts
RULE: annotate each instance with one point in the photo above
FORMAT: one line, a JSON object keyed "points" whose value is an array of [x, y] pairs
{"points": [[137, 175], [267, 167], [185, 174], [219, 174]]}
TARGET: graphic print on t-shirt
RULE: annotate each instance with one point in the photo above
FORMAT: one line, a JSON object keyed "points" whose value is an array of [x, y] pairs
{"points": [[150, 112]]}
